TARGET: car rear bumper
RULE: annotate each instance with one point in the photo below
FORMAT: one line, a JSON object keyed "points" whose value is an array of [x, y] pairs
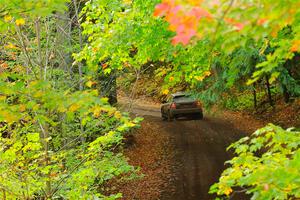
{"points": [[185, 111]]}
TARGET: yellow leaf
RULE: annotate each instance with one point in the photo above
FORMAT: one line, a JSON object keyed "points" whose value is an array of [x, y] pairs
{"points": [[195, 2], [10, 46], [94, 92], [97, 111], [8, 117], [74, 107], [2, 98], [90, 84], [7, 18], [127, 1], [33, 83], [118, 115], [22, 108], [36, 107], [166, 91], [207, 73], [38, 94], [227, 191], [61, 109], [130, 124], [199, 78], [20, 22]]}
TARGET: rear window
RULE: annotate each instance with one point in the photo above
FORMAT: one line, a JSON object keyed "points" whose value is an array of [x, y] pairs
{"points": [[183, 98]]}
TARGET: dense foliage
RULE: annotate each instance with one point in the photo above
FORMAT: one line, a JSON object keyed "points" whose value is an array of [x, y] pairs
{"points": [[251, 42], [57, 143], [60, 138], [266, 165], [126, 37]]}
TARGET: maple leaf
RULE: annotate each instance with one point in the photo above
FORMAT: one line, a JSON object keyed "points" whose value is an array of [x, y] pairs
{"points": [[173, 16], [190, 22], [161, 9], [238, 25], [199, 13], [184, 36], [261, 22], [181, 38]]}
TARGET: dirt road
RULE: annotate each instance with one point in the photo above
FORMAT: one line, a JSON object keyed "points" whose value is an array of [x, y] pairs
{"points": [[200, 149]]}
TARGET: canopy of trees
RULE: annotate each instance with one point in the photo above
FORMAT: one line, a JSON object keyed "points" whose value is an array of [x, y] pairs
{"points": [[61, 136]]}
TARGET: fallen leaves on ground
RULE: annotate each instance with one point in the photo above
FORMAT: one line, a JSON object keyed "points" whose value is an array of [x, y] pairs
{"points": [[152, 152]]}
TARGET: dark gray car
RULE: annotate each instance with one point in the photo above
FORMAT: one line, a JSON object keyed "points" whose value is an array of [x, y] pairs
{"points": [[181, 105]]}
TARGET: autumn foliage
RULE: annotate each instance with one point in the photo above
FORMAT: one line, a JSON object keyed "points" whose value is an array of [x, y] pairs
{"points": [[184, 23]]}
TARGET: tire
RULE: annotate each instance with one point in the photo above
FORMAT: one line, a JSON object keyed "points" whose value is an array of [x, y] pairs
{"points": [[169, 117], [163, 116], [200, 116]]}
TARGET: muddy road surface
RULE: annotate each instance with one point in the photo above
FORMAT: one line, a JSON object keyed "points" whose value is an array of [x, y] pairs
{"points": [[200, 153]]}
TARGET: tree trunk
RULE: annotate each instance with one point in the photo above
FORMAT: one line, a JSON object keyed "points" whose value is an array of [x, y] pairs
{"points": [[254, 97], [286, 94], [269, 91], [63, 39]]}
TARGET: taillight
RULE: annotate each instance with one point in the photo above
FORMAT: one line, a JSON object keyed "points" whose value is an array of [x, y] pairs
{"points": [[198, 104], [173, 105]]}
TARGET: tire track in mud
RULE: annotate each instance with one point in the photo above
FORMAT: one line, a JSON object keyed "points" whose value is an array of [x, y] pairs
{"points": [[200, 148]]}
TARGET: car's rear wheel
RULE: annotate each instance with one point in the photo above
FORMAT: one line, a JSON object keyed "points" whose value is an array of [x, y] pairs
{"points": [[169, 117], [163, 116], [200, 115]]}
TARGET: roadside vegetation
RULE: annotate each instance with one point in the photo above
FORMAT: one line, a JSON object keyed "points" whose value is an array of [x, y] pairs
{"points": [[63, 61]]}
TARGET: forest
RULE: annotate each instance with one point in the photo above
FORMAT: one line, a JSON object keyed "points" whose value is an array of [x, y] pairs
{"points": [[65, 63]]}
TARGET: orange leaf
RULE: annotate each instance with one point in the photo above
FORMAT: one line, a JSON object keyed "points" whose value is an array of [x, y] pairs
{"points": [[261, 21], [161, 9], [199, 13], [228, 191], [22, 108], [104, 65], [295, 46]]}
